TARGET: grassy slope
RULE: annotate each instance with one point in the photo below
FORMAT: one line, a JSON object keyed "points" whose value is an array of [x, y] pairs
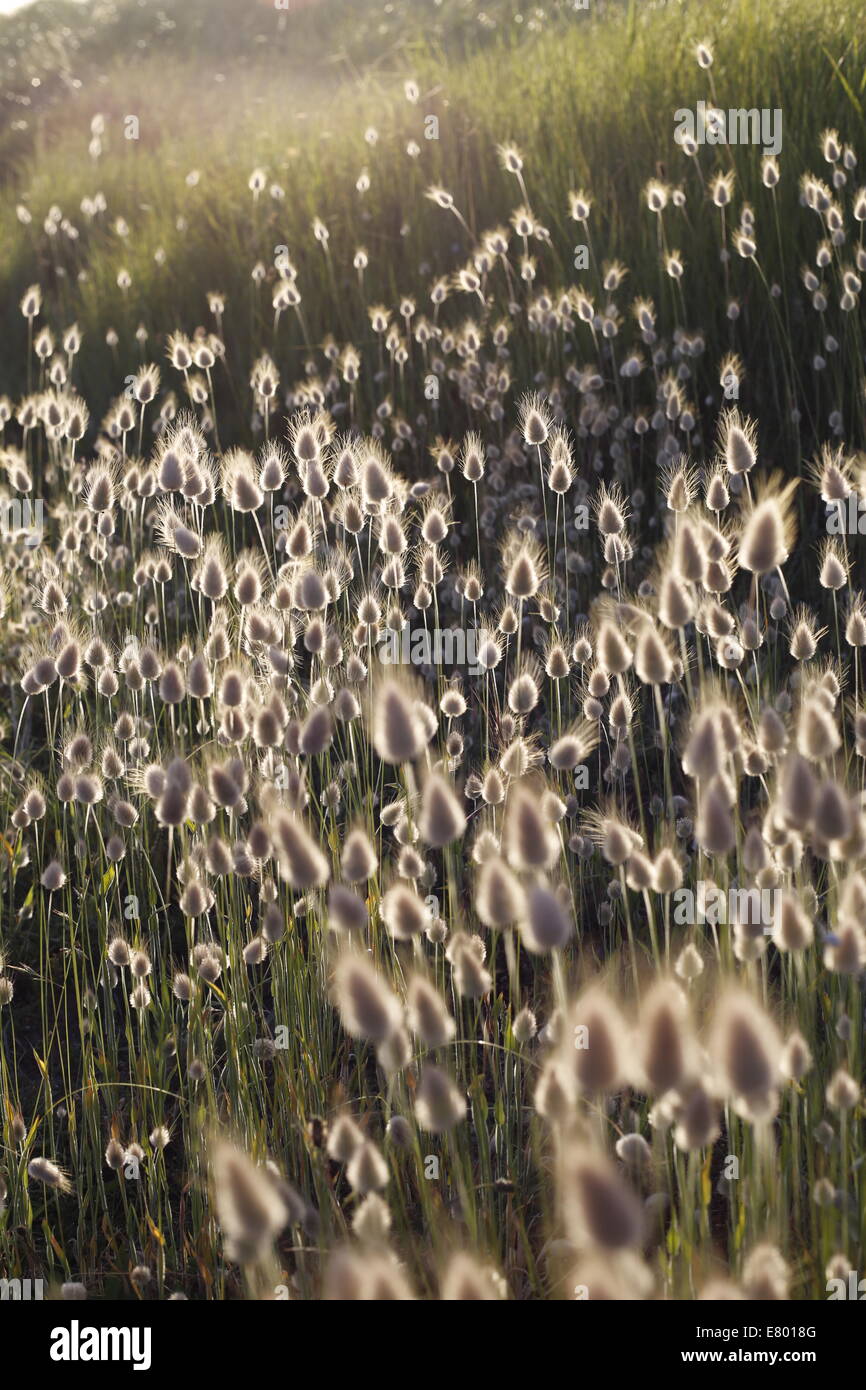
{"points": [[582, 97]]}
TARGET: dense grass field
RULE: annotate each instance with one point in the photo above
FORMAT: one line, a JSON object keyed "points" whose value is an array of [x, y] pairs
{"points": [[432, 727]]}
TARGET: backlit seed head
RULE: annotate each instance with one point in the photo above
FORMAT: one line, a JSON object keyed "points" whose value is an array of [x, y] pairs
{"points": [[249, 1208], [599, 1208], [547, 923], [529, 840], [368, 1008], [403, 912], [593, 1043], [765, 1274], [796, 1059], [428, 1015], [439, 1106], [44, 1171], [524, 1027], [441, 818], [667, 1046], [398, 731], [768, 533], [746, 1048]]}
